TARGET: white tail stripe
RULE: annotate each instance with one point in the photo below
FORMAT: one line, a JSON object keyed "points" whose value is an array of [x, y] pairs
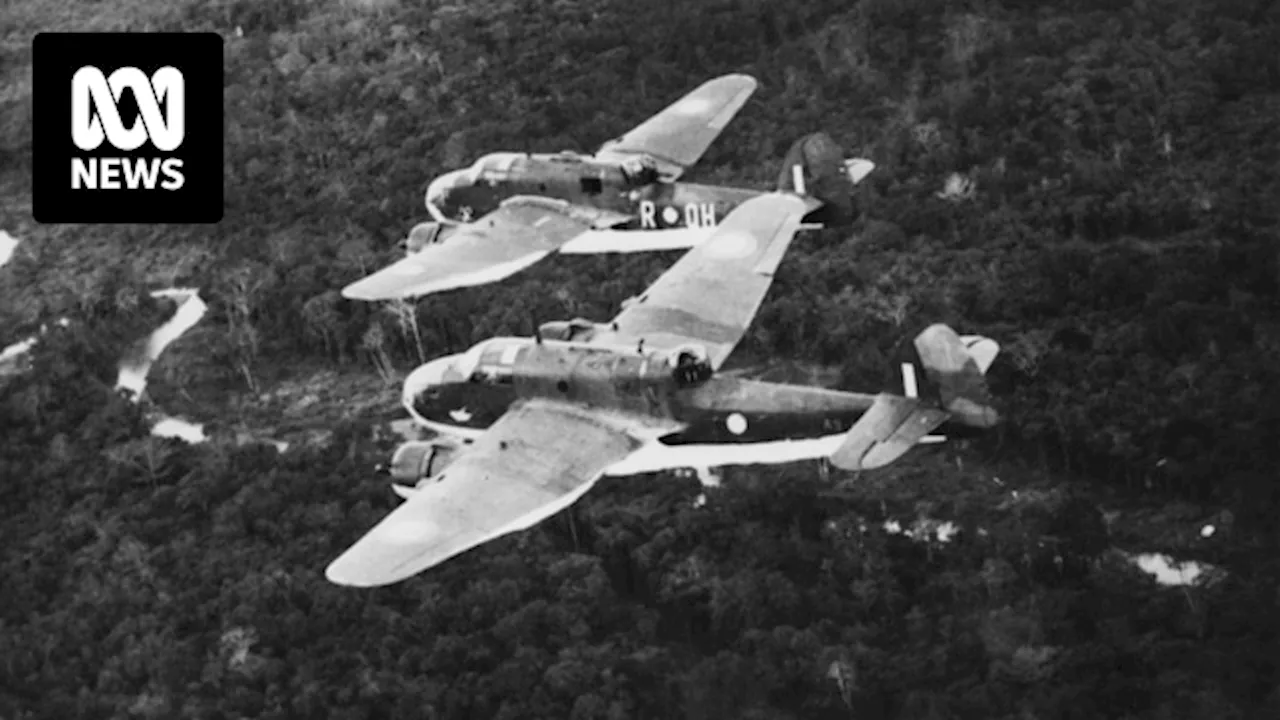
{"points": [[909, 380]]}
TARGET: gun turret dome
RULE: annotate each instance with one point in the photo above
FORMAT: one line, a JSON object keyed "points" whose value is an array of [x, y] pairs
{"points": [[690, 365]]}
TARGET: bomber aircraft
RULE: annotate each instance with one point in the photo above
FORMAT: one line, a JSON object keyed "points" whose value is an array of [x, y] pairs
{"points": [[530, 424], [509, 210]]}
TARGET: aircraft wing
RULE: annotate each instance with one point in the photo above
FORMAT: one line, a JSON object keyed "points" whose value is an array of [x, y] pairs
{"points": [[678, 135], [522, 231], [534, 461], [711, 295]]}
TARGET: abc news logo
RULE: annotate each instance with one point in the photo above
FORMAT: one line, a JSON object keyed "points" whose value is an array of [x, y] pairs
{"points": [[128, 128], [164, 126]]}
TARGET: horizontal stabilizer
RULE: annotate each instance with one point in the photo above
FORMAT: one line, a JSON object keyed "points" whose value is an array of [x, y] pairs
{"points": [[858, 168], [892, 426]]}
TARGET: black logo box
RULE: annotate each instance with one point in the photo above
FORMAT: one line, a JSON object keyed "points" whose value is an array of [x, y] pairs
{"points": [[57, 57]]}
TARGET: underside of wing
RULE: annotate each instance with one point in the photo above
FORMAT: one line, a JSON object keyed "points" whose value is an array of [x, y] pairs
{"points": [[595, 242], [434, 270], [710, 296], [519, 233], [678, 135], [536, 460]]}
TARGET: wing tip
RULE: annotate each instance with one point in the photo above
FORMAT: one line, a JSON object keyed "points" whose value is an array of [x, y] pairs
{"points": [[359, 291], [743, 78], [347, 573]]}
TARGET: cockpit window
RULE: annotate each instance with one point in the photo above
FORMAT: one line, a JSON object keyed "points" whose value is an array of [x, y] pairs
{"points": [[452, 180], [470, 360], [427, 379], [491, 360], [496, 165]]}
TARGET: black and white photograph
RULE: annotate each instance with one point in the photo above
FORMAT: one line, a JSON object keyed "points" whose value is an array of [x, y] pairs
{"points": [[611, 359]]}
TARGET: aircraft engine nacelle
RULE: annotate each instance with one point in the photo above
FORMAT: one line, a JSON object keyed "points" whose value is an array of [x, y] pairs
{"points": [[577, 329], [422, 235], [421, 459], [690, 365]]}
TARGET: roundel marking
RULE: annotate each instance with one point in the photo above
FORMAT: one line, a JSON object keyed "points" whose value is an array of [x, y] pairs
{"points": [[670, 215], [729, 244], [736, 423]]}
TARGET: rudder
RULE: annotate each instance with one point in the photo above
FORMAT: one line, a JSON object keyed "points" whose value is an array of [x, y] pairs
{"points": [[824, 173], [955, 367]]}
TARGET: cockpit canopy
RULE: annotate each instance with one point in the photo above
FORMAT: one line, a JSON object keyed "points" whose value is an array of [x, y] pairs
{"points": [[439, 189], [488, 361], [494, 167], [498, 166], [491, 359], [428, 378]]}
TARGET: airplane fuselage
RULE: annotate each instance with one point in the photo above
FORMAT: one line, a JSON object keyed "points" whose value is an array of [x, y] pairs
{"points": [[467, 393], [652, 389], [650, 203], [712, 412]]}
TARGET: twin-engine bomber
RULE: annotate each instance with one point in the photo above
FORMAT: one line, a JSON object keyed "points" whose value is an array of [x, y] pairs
{"points": [[509, 210], [529, 424]]}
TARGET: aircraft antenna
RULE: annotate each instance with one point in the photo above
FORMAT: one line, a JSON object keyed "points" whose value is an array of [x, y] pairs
{"points": [[537, 329]]}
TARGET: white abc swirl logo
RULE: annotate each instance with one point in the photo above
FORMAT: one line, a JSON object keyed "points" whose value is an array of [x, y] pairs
{"points": [[166, 129]]}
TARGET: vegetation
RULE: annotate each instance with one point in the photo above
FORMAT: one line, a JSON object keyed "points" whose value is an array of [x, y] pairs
{"points": [[1093, 184]]}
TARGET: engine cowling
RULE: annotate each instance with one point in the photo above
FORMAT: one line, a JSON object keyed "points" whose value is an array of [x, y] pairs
{"points": [[690, 365], [577, 329], [418, 460], [422, 235]]}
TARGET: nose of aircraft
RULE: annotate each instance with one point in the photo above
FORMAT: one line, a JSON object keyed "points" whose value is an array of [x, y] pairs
{"points": [[438, 193], [425, 376], [437, 196]]}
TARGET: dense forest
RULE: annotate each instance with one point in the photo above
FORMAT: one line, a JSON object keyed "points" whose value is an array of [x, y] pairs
{"points": [[1094, 184]]}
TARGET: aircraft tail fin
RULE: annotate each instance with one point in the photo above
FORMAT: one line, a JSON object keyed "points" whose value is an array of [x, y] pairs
{"points": [[954, 388], [815, 165], [955, 369]]}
